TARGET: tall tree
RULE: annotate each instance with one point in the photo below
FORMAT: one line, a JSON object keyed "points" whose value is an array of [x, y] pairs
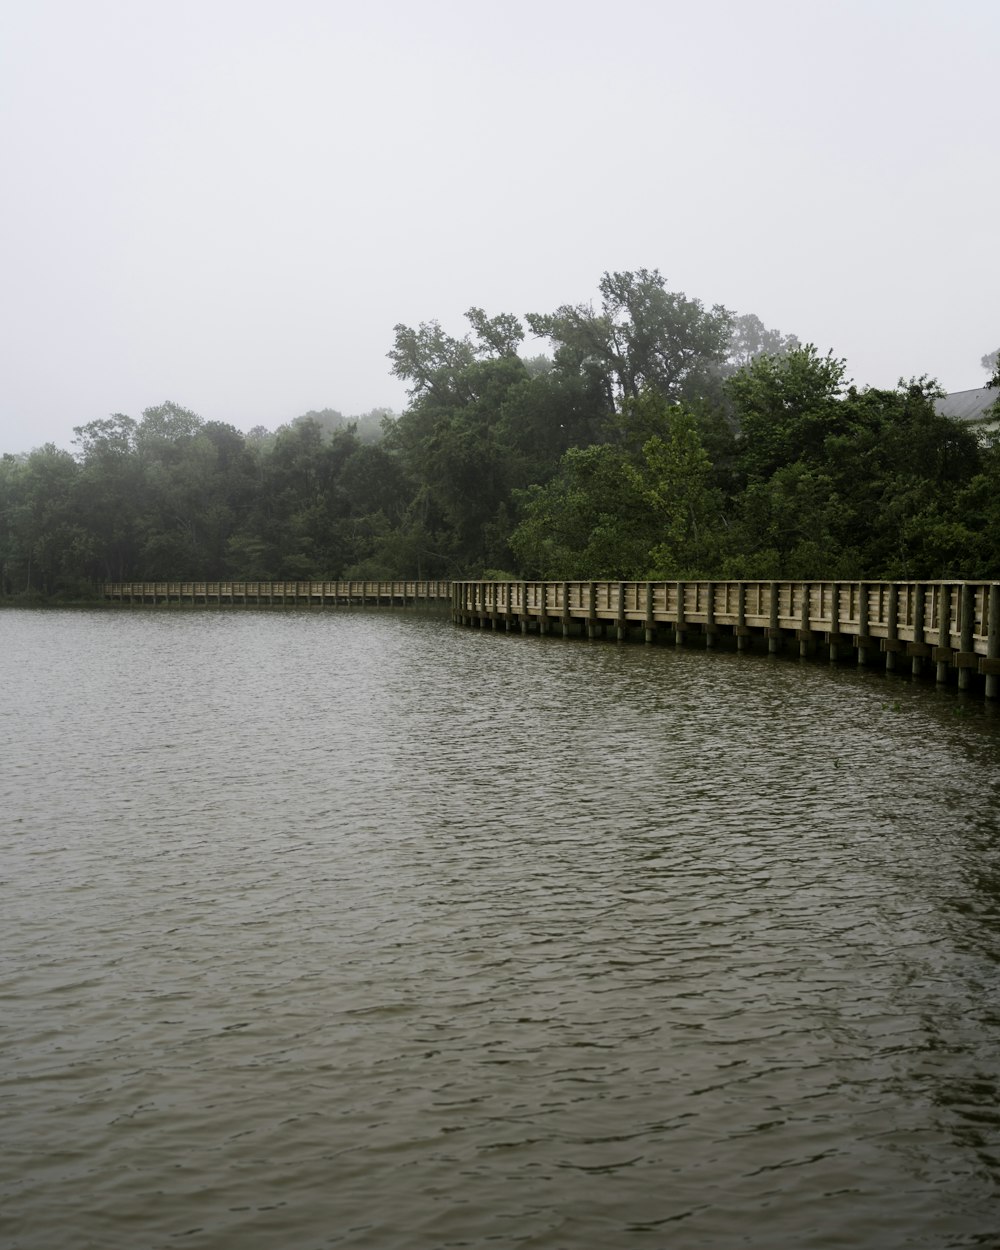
{"points": [[112, 495], [786, 407], [643, 337], [622, 510], [592, 520], [42, 543], [750, 338], [674, 476], [849, 484], [453, 439]]}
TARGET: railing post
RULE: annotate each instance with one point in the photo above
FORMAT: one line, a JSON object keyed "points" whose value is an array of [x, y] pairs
{"points": [[592, 610], [993, 644], [742, 637], [919, 605], [710, 615], [679, 629], [944, 633], [620, 622], [805, 633], [892, 629], [772, 627], [863, 638], [650, 623], [966, 625], [834, 620]]}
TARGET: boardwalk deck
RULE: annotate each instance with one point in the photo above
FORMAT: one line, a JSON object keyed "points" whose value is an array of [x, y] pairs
{"points": [[951, 624]]}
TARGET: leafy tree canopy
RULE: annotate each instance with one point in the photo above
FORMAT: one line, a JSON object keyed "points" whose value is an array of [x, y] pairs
{"points": [[642, 336], [657, 437]]}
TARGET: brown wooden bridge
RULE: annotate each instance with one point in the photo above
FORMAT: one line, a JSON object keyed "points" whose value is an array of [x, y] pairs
{"points": [[281, 594], [952, 625]]}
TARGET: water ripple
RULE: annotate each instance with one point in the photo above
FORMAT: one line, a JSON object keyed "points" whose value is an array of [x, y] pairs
{"points": [[352, 929]]}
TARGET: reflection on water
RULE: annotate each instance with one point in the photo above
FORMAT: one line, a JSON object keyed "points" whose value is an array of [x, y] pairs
{"points": [[354, 929]]}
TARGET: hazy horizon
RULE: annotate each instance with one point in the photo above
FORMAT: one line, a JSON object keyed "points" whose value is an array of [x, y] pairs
{"points": [[230, 205]]}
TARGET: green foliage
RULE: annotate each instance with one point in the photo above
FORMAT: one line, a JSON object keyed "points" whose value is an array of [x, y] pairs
{"points": [[659, 439], [847, 484], [41, 538], [589, 521], [613, 512], [644, 338], [674, 476], [750, 338], [786, 407]]}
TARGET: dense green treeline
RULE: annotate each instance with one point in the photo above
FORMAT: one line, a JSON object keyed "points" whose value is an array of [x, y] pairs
{"points": [[657, 438]]}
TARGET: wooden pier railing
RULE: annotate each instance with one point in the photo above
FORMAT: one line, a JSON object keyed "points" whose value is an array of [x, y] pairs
{"points": [[284, 594], [953, 625]]}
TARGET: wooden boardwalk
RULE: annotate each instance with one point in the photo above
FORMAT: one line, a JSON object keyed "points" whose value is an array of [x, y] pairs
{"points": [[281, 594], [954, 626], [950, 626]]}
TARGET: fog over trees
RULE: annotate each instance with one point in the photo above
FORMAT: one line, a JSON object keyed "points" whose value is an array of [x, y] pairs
{"points": [[653, 437]]}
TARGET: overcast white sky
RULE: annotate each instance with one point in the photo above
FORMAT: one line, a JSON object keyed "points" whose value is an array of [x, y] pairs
{"points": [[230, 203]]}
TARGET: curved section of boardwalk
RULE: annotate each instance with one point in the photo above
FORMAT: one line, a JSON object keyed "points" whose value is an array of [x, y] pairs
{"points": [[953, 625]]}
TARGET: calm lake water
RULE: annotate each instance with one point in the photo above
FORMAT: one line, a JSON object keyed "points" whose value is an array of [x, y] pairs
{"points": [[355, 929]]}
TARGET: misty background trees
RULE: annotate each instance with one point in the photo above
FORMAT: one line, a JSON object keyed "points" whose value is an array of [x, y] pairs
{"points": [[652, 437]]}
